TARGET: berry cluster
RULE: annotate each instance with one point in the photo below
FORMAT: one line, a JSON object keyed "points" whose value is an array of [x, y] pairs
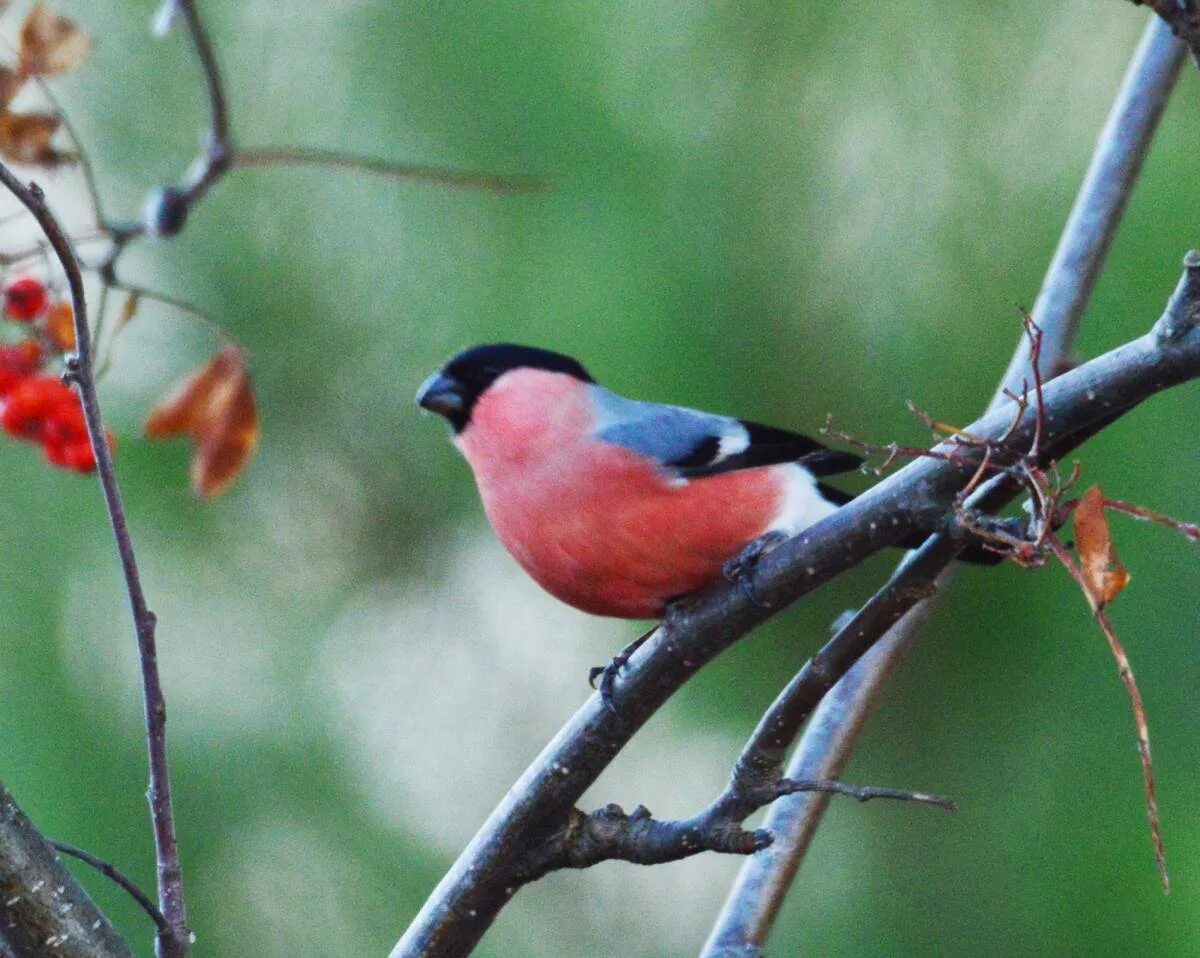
{"points": [[35, 405]]}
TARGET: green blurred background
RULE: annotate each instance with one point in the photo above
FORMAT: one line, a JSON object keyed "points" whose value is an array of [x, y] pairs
{"points": [[777, 210]]}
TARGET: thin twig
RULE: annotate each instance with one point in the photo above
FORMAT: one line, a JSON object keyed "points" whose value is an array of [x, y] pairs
{"points": [[755, 899], [259, 159], [80, 371], [1034, 336], [182, 305], [217, 105], [1125, 670], [1189, 529], [81, 155], [110, 871]]}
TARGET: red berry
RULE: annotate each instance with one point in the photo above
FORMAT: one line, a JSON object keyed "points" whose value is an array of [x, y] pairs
{"points": [[17, 363], [43, 410], [30, 403], [24, 357], [72, 455], [64, 423], [24, 298]]}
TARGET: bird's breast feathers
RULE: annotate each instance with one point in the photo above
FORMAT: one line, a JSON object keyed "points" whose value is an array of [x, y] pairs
{"points": [[608, 524]]}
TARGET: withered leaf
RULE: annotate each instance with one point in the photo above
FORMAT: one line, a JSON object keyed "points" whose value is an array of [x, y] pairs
{"points": [[11, 82], [25, 138], [59, 324], [51, 44], [1103, 575], [215, 406], [128, 310]]}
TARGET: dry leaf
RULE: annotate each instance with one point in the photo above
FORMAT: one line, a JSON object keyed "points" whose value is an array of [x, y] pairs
{"points": [[128, 310], [25, 138], [216, 408], [10, 84], [51, 44], [59, 324], [1102, 574]]}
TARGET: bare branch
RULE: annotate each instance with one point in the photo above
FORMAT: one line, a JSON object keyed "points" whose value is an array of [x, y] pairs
{"points": [[609, 834], [1107, 185], [80, 372], [1183, 17], [168, 207], [120, 879], [920, 496], [755, 898], [43, 910]]}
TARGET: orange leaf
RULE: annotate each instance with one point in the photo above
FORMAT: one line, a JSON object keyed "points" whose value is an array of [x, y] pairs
{"points": [[25, 138], [11, 82], [216, 408], [1102, 574], [128, 310], [51, 44], [59, 323]]}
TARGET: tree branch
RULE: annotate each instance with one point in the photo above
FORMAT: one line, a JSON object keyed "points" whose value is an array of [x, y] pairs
{"points": [[80, 370], [1183, 17], [167, 208], [118, 878], [43, 910], [609, 834], [918, 497], [757, 894]]}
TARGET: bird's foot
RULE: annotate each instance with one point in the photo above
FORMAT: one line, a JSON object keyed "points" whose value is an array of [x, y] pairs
{"points": [[740, 569], [607, 674]]}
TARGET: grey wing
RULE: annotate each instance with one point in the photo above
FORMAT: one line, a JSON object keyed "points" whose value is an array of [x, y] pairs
{"points": [[694, 444]]}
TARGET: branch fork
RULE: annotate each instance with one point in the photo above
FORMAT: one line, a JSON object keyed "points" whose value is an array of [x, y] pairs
{"points": [[609, 833]]}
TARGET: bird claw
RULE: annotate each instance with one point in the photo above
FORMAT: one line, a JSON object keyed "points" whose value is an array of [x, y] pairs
{"points": [[607, 674], [740, 569], [608, 678]]}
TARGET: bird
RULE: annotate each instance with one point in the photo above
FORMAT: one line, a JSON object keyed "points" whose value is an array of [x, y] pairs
{"points": [[620, 507]]}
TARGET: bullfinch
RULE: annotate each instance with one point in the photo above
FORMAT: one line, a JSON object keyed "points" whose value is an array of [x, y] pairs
{"points": [[617, 506]]}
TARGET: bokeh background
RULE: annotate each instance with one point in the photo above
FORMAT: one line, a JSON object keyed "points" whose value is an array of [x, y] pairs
{"points": [[777, 210]]}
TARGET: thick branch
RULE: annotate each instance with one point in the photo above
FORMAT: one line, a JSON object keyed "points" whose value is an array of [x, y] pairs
{"points": [[758, 893], [43, 910], [1100, 205], [1183, 17], [915, 498]]}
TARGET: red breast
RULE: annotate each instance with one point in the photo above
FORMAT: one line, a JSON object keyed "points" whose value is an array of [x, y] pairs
{"points": [[600, 527]]}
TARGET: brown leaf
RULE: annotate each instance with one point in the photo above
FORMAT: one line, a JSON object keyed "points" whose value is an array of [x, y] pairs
{"points": [[216, 408], [11, 82], [25, 138], [59, 324], [1103, 577], [128, 310], [51, 44]]}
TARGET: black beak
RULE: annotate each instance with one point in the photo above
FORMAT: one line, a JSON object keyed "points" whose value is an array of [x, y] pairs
{"points": [[442, 395]]}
